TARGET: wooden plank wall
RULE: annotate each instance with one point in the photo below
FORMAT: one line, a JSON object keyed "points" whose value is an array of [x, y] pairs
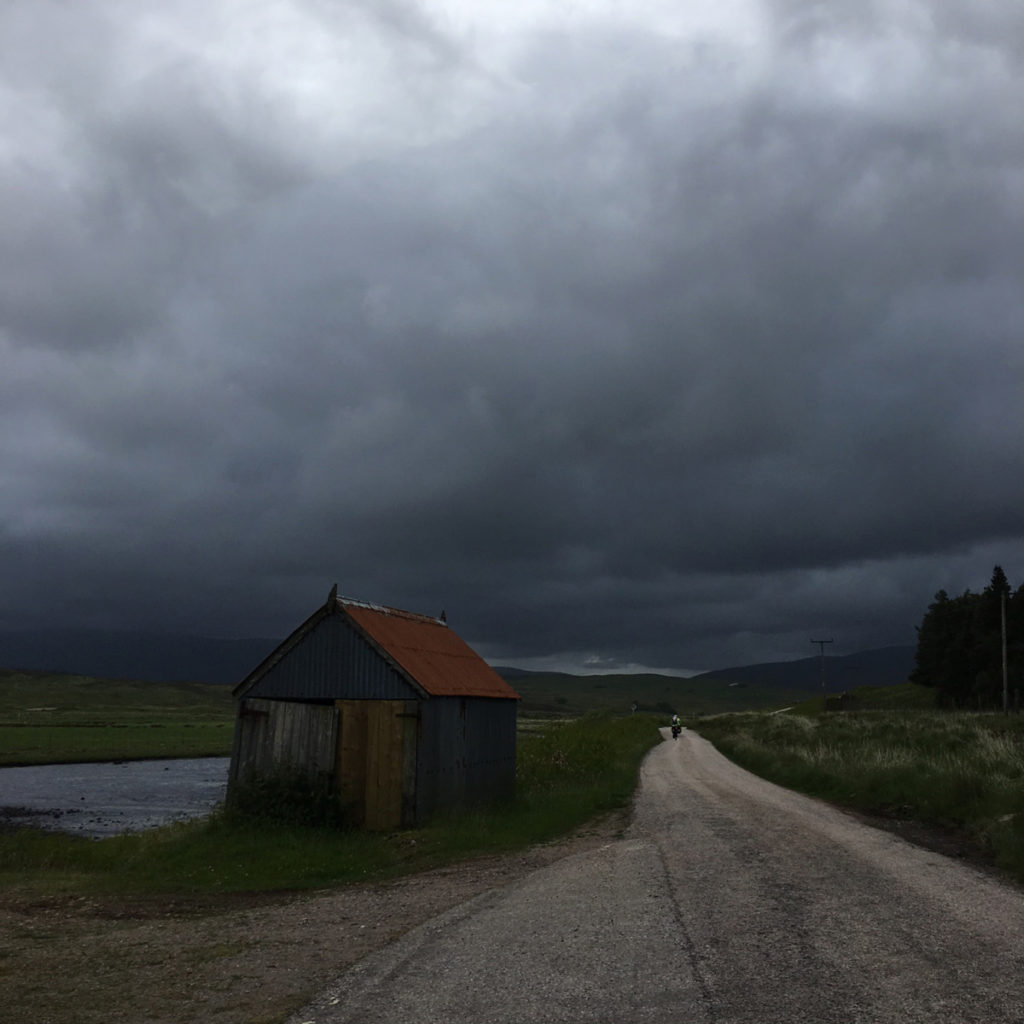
{"points": [[271, 735], [368, 747]]}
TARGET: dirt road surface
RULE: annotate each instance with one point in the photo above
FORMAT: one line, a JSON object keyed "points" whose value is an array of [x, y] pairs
{"points": [[728, 901]]}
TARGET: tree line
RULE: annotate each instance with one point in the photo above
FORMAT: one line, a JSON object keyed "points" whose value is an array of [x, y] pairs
{"points": [[960, 645]]}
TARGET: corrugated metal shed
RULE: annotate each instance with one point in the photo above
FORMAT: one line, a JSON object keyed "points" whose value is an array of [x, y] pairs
{"points": [[418, 721], [354, 649]]}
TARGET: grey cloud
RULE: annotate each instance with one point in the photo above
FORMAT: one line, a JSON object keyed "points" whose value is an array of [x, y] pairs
{"points": [[667, 358]]}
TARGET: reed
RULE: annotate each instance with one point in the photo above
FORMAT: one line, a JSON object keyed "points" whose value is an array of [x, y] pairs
{"points": [[958, 770]]}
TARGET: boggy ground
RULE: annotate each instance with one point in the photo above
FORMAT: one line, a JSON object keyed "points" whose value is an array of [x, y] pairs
{"points": [[236, 959]]}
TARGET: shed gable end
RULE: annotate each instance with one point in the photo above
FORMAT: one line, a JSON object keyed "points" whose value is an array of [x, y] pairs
{"points": [[332, 661]]}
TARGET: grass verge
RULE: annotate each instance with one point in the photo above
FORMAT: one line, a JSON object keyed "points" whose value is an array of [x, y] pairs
{"points": [[953, 770], [566, 774]]}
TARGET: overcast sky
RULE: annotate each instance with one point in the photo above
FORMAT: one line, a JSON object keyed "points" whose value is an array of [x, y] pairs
{"points": [[649, 333]]}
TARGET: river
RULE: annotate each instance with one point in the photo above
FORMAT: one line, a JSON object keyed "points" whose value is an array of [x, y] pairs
{"points": [[112, 797]]}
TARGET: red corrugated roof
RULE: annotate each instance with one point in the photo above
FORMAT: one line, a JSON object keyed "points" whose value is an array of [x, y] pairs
{"points": [[435, 657]]}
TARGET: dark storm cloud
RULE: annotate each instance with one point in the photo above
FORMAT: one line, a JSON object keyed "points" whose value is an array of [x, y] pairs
{"points": [[651, 342]]}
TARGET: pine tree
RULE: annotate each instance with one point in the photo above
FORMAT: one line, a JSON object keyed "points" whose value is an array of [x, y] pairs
{"points": [[959, 644]]}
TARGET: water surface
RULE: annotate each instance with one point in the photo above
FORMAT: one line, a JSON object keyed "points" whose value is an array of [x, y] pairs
{"points": [[110, 797]]}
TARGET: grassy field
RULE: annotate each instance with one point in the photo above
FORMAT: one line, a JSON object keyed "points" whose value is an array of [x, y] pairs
{"points": [[902, 697], [566, 774], [893, 757], [47, 718], [955, 770]]}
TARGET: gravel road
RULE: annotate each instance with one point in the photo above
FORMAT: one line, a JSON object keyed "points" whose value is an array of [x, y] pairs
{"points": [[729, 900]]}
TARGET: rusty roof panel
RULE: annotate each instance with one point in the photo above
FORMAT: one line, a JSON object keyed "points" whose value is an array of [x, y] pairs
{"points": [[425, 648]]}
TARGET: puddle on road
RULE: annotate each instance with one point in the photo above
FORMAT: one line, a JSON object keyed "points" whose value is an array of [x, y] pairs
{"points": [[111, 797]]}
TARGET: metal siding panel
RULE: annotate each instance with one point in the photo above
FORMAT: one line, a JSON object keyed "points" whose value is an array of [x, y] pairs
{"points": [[430, 795], [465, 757], [332, 662], [490, 750]]}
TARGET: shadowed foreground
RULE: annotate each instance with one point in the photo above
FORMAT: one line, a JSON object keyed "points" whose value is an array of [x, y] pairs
{"points": [[729, 900]]}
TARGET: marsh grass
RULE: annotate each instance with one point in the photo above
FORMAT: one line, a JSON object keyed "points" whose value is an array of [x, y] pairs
{"points": [[566, 775], [958, 770], [56, 744], [899, 697], [52, 719]]}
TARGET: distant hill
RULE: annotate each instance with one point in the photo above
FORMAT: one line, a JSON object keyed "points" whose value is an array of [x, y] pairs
{"points": [[562, 694], [746, 687], [885, 666], [508, 673], [167, 658], [155, 657]]}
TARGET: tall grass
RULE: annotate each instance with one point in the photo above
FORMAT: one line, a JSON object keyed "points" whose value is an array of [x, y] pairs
{"points": [[566, 774], [954, 769], [899, 697], [50, 719]]}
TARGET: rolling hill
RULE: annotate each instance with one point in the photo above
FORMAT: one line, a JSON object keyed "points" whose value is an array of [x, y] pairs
{"points": [[885, 666], [167, 658], [743, 688]]}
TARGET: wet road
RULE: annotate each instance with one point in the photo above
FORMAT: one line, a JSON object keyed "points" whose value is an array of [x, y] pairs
{"points": [[729, 901]]}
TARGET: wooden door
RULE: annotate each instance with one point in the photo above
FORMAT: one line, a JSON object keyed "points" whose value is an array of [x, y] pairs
{"points": [[376, 762]]}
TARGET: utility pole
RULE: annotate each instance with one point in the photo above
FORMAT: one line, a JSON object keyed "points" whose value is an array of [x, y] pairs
{"points": [[821, 647], [1002, 616]]}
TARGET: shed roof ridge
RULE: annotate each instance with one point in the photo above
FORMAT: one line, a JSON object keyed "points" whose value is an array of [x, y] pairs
{"points": [[388, 610]]}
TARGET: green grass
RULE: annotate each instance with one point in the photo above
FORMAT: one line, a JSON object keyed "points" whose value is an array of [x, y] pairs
{"points": [[959, 770], [54, 744], [50, 719], [901, 697], [567, 774]]}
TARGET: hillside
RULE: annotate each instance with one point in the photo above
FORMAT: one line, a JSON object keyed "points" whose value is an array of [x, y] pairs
{"points": [[555, 693], [167, 658], [742, 688], [886, 666]]}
